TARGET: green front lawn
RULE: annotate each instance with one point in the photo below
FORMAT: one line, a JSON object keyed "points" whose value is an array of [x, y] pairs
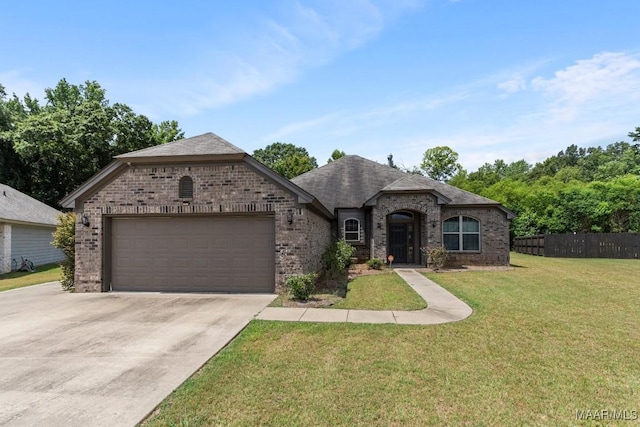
{"points": [[385, 291], [43, 274], [547, 339], [382, 291]]}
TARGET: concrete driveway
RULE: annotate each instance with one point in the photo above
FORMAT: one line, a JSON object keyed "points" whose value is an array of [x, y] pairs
{"points": [[106, 359]]}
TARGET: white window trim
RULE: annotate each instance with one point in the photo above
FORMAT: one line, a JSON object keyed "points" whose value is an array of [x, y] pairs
{"points": [[344, 230], [461, 234]]}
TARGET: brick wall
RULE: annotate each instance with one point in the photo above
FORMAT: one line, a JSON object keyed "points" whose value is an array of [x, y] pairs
{"points": [[318, 237], [494, 228], [494, 237], [218, 189], [424, 204]]}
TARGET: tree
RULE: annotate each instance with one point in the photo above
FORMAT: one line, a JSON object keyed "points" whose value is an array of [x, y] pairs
{"points": [[622, 195], [440, 163], [64, 238], [517, 170], [12, 168], [337, 154], [571, 156], [286, 159], [74, 135], [460, 179], [413, 171], [588, 190], [166, 131]]}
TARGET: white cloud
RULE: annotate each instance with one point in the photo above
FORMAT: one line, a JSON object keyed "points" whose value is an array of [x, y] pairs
{"points": [[606, 79], [275, 51], [600, 93], [344, 123], [513, 85]]}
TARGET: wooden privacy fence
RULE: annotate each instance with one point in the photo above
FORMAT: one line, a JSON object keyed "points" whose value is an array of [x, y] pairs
{"points": [[531, 245], [580, 245]]}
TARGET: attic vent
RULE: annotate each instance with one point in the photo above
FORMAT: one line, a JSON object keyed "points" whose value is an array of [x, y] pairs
{"points": [[185, 188]]}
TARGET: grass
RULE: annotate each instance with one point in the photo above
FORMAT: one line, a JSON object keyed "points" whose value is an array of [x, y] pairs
{"points": [[380, 292], [385, 291], [549, 338], [17, 279]]}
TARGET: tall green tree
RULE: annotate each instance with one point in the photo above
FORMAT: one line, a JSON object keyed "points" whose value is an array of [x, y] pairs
{"points": [[635, 135], [337, 154], [286, 159], [571, 156], [72, 136], [622, 196], [440, 163], [12, 168]]}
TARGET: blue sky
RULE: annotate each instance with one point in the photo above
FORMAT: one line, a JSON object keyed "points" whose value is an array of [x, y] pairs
{"points": [[489, 78]]}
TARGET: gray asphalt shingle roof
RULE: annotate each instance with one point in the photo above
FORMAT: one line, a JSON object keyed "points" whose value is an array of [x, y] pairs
{"points": [[208, 143], [352, 180], [18, 207], [348, 182]]}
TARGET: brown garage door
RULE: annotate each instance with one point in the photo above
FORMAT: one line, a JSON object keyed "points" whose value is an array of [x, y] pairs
{"points": [[193, 254]]}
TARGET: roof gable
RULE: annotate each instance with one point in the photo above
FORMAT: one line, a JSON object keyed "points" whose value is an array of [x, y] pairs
{"points": [[409, 183], [201, 145], [347, 182], [20, 208], [202, 148]]}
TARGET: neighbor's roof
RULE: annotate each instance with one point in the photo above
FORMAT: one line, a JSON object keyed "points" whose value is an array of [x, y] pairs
{"points": [[17, 207], [205, 144], [352, 180]]}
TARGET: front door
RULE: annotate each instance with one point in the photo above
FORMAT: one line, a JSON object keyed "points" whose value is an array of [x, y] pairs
{"points": [[398, 242]]}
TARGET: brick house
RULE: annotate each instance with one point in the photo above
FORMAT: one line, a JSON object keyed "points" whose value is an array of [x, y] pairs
{"points": [[201, 215]]}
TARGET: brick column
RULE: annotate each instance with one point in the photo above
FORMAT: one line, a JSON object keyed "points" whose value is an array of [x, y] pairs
{"points": [[379, 235]]}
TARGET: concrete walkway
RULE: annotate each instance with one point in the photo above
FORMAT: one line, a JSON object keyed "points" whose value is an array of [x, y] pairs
{"points": [[443, 307]]}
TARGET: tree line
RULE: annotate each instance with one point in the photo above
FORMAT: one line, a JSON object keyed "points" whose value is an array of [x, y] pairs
{"points": [[49, 149], [592, 189]]}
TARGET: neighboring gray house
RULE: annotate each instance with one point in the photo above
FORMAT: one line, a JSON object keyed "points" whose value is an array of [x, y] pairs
{"points": [[26, 227], [201, 215]]}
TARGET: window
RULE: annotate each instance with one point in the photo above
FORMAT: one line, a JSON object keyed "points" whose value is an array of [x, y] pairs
{"points": [[352, 230], [185, 188], [461, 233], [401, 216]]}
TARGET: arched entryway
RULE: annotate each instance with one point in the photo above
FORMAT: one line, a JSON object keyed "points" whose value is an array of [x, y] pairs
{"points": [[404, 236]]}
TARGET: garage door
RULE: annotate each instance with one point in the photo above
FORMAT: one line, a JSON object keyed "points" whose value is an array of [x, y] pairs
{"points": [[196, 254]]}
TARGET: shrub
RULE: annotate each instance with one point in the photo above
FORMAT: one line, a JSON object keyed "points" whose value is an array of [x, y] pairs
{"points": [[301, 286], [337, 257], [65, 238], [435, 256], [375, 264]]}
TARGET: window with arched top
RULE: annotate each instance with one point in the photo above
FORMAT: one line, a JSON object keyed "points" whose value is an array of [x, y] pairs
{"points": [[185, 188], [352, 230], [461, 233], [401, 215]]}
